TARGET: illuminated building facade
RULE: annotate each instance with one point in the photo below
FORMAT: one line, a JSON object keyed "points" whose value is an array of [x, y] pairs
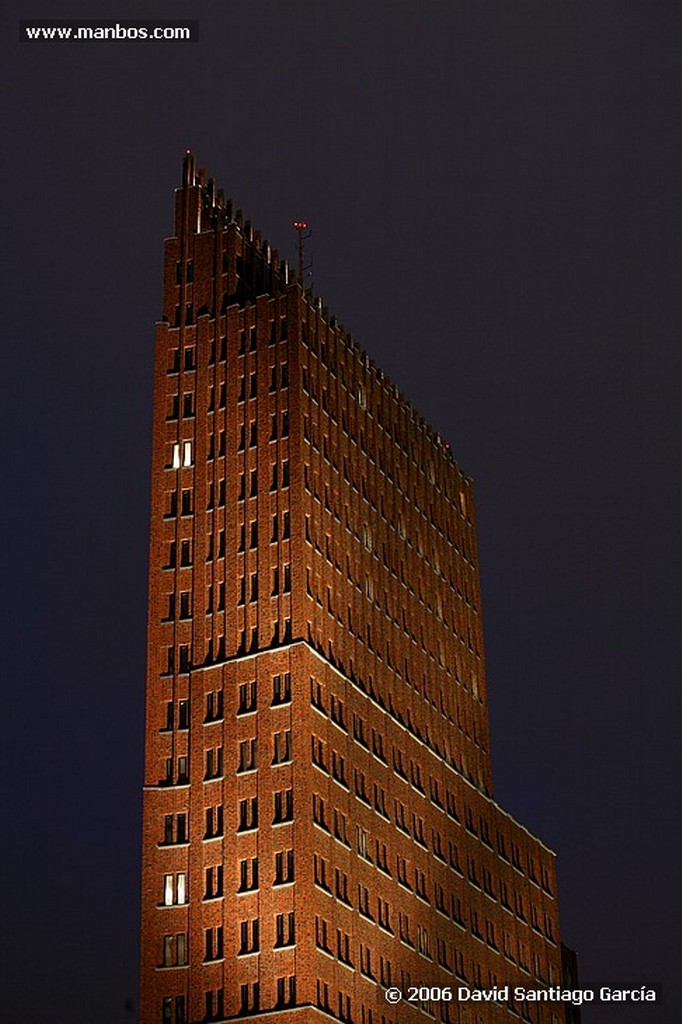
{"points": [[319, 822]]}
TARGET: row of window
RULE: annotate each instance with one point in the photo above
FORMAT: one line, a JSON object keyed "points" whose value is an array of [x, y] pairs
{"points": [[449, 611], [179, 658], [454, 754], [417, 937], [278, 331], [175, 946], [414, 879], [174, 1008], [280, 584], [374, 456], [279, 425], [178, 712], [408, 769], [386, 401], [181, 455], [281, 530], [177, 770], [176, 825], [175, 887]]}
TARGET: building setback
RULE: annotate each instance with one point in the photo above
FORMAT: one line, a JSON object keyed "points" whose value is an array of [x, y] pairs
{"points": [[319, 821]]}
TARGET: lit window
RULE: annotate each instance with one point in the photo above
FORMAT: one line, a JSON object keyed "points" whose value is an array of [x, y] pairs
{"points": [[187, 453], [176, 456]]}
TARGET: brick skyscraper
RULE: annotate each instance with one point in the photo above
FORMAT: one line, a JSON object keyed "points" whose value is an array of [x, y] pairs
{"points": [[319, 822]]}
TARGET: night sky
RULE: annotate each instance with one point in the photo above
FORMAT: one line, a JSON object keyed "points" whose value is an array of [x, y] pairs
{"points": [[494, 194]]}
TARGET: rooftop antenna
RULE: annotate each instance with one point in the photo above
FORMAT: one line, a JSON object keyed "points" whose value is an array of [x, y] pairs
{"points": [[302, 227]]}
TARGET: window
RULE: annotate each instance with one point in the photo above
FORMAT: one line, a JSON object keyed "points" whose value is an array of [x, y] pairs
{"points": [[248, 814], [214, 763], [214, 706], [247, 755], [418, 829], [284, 929], [366, 961], [319, 755], [322, 934], [316, 698], [363, 902], [214, 821], [360, 786], [382, 857], [282, 747], [341, 886], [286, 991], [168, 829], [249, 997], [215, 1004], [248, 874], [322, 994], [319, 812], [181, 827], [320, 872], [213, 943], [187, 453], [248, 936], [400, 817], [337, 713], [404, 929], [284, 806], [341, 828], [175, 950], [403, 880], [281, 689], [284, 867], [174, 889], [339, 768], [423, 941], [343, 948], [214, 882], [384, 916], [247, 698], [384, 971]]}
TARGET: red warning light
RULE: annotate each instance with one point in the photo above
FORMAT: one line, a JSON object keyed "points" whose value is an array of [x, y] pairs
{"points": [[300, 225]]}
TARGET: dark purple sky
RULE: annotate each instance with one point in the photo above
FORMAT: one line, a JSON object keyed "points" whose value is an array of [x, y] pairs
{"points": [[494, 192]]}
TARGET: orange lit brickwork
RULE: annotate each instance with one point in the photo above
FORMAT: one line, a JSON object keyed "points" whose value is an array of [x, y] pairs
{"points": [[319, 823]]}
